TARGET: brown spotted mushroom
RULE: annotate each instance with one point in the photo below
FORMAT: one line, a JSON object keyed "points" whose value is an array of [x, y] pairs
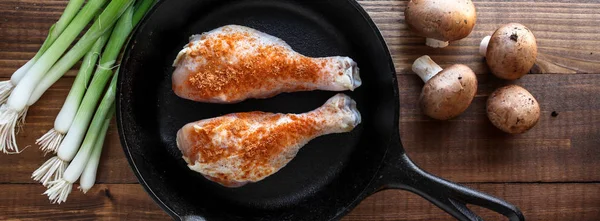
{"points": [[440, 21], [510, 52], [513, 109], [447, 92]]}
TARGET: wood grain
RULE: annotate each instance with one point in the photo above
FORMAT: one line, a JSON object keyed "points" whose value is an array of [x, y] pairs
{"points": [[548, 202], [566, 34], [566, 31], [103, 202], [550, 172], [470, 149]]}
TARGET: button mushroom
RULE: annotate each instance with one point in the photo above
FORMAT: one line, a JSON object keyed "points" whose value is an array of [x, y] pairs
{"points": [[510, 52], [447, 92], [513, 109], [440, 21]]}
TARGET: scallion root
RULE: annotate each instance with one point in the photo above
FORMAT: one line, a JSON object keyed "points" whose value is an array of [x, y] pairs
{"points": [[50, 171], [9, 119], [59, 191], [22, 116], [50, 141], [5, 88]]}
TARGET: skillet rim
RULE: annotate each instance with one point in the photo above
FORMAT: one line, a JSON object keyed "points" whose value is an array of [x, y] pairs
{"points": [[120, 129], [373, 186], [367, 190]]}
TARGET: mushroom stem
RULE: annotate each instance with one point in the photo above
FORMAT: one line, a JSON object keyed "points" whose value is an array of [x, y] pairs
{"points": [[484, 45], [426, 68], [434, 43]]}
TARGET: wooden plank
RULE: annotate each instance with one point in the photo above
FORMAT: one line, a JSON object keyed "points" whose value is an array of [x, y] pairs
{"points": [[466, 149], [567, 35], [549, 202], [567, 39], [470, 149], [102, 202]]}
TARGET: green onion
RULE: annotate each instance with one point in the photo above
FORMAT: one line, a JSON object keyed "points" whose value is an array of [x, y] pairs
{"points": [[52, 54], [59, 70], [102, 24], [50, 141], [72, 141], [141, 8], [56, 73], [74, 137], [88, 176], [15, 108], [52, 169], [46, 173], [59, 190], [56, 29]]}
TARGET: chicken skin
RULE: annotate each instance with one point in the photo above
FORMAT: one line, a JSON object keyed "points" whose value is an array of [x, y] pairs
{"points": [[233, 63], [239, 148]]}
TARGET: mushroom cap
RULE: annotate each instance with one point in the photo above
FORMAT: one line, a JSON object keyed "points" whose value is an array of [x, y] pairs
{"points": [[449, 93], [513, 109], [512, 51], [444, 20]]}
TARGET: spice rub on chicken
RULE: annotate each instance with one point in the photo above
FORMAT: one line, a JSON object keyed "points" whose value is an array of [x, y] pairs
{"points": [[238, 148], [233, 63]]}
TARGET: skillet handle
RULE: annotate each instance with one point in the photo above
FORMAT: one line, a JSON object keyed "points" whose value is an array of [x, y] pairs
{"points": [[451, 197]]}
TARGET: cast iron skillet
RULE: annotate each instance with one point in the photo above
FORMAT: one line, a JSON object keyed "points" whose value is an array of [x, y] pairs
{"points": [[331, 174]]}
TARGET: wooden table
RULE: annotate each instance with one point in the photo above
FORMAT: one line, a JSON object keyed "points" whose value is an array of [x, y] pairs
{"points": [[551, 172]]}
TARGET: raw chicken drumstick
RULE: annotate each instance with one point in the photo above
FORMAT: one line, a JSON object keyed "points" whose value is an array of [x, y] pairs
{"points": [[233, 63], [238, 148]]}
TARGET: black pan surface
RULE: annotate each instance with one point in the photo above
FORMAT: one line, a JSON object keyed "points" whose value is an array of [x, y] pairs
{"points": [[331, 174]]}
